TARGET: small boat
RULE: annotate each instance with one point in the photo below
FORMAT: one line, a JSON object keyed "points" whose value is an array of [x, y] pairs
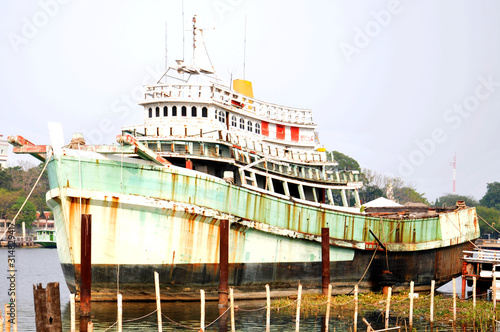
{"points": [[46, 238]]}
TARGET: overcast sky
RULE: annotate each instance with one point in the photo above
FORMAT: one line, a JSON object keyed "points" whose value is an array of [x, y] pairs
{"points": [[400, 86]]}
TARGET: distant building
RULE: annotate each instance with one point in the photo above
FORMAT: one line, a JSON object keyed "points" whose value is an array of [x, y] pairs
{"points": [[4, 151]]}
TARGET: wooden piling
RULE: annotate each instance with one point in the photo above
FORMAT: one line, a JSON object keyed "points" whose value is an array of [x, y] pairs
{"points": [[223, 261], [494, 289], [433, 285], [268, 313], [231, 299], [297, 317], [454, 282], [1, 320], [355, 308], [120, 313], [7, 320], [86, 265], [47, 307], [90, 327], [325, 259], [158, 301], [412, 285], [388, 307], [72, 310], [474, 292], [202, 310], [328, 305]]}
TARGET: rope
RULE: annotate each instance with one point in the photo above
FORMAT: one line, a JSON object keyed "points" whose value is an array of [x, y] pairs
{"points": [[496, 230], [225, 312], [371, 260], [131, 320], [465, 236], [13, 222]]}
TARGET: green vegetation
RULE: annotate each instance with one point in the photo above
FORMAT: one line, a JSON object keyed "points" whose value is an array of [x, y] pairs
{"points": [[482, 317]]}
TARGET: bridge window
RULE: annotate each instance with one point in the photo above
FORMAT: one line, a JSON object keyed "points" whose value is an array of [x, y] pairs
{"points": [[242, 123], [174, 111], [233, 121], [222, 118], [257, 128], [193, 112], [157, 112], [150, 112], [249, 126], [165, 111], [184, 111], [204, 112]]}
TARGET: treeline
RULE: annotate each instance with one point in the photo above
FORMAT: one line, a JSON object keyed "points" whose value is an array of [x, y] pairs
{"points": [[15, 185], [377, 185]]}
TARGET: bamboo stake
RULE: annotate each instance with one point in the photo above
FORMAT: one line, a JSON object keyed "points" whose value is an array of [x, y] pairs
{"points": [[90, 327], [389, 291], [412, 284], [120, 312], [494, 287], [268, 313], [297, 319], [158, 301], [7, 320], [72, 310], [454, 300], [202, 314], [231, 299], [355, 308], [474, 292], [433, 285], [328, 304]]}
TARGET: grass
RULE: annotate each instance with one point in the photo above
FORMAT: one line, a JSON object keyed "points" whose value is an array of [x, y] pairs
{"points": [[481, 318]]}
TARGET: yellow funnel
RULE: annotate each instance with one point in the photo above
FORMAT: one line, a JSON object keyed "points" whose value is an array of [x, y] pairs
{"points": [[244, 87]]}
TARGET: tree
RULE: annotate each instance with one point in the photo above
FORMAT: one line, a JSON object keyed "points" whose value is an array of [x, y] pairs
{"points": [[345, 162], [369, 193], [7, 199], [492, 197], [27, 215], [405, 195], [488, 218], [451, 200], [5, 179]]}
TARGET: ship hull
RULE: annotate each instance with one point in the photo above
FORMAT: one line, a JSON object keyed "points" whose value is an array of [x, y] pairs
{"points": [[147, 218]]}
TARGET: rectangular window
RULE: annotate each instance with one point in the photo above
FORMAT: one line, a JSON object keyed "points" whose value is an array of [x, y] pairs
{"points": [[265, 128], [280, 131], [295, 133]]}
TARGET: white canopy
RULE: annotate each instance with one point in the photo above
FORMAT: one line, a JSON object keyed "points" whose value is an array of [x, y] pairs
{"points": [[381, 202]]}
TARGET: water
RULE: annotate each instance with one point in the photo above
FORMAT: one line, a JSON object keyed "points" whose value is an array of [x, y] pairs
{"points": [[39, 265]]}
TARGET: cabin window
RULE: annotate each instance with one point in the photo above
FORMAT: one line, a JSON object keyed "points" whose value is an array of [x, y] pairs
{"points": [[233, 121], [165, 111], [183, 111], [249, 126], [257, 128], [193, 112], [157, 112], [204, 112], [242, 123], [174, 111], [293, 188], [222, 118], [150, 112], [278, 186]]}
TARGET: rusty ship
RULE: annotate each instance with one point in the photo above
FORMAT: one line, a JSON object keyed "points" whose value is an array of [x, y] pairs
{"points": [[208, 152]]}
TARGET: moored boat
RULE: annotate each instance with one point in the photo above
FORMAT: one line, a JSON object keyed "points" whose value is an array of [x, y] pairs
{"points": [[208, 152], [46, 238]]}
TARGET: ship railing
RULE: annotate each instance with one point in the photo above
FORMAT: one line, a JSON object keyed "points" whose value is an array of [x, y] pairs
{"points": [[226, 97], [482, 255]]}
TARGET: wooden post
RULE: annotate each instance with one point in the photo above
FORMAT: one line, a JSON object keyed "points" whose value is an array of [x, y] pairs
{"points": [[268, 313], [202, 310], [297, 318], [411, 305], [86, 265], [328, 305], [72, 310], [24, 233], [325, 259], [90, 327], [494, 288], [223, 261], [454, 282], [433, 285], [47, 307], [355, 308], [474, 292], [231, 299], [120, 312], [158, 301], [7, 321], [388, 307], [1, 320]]}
